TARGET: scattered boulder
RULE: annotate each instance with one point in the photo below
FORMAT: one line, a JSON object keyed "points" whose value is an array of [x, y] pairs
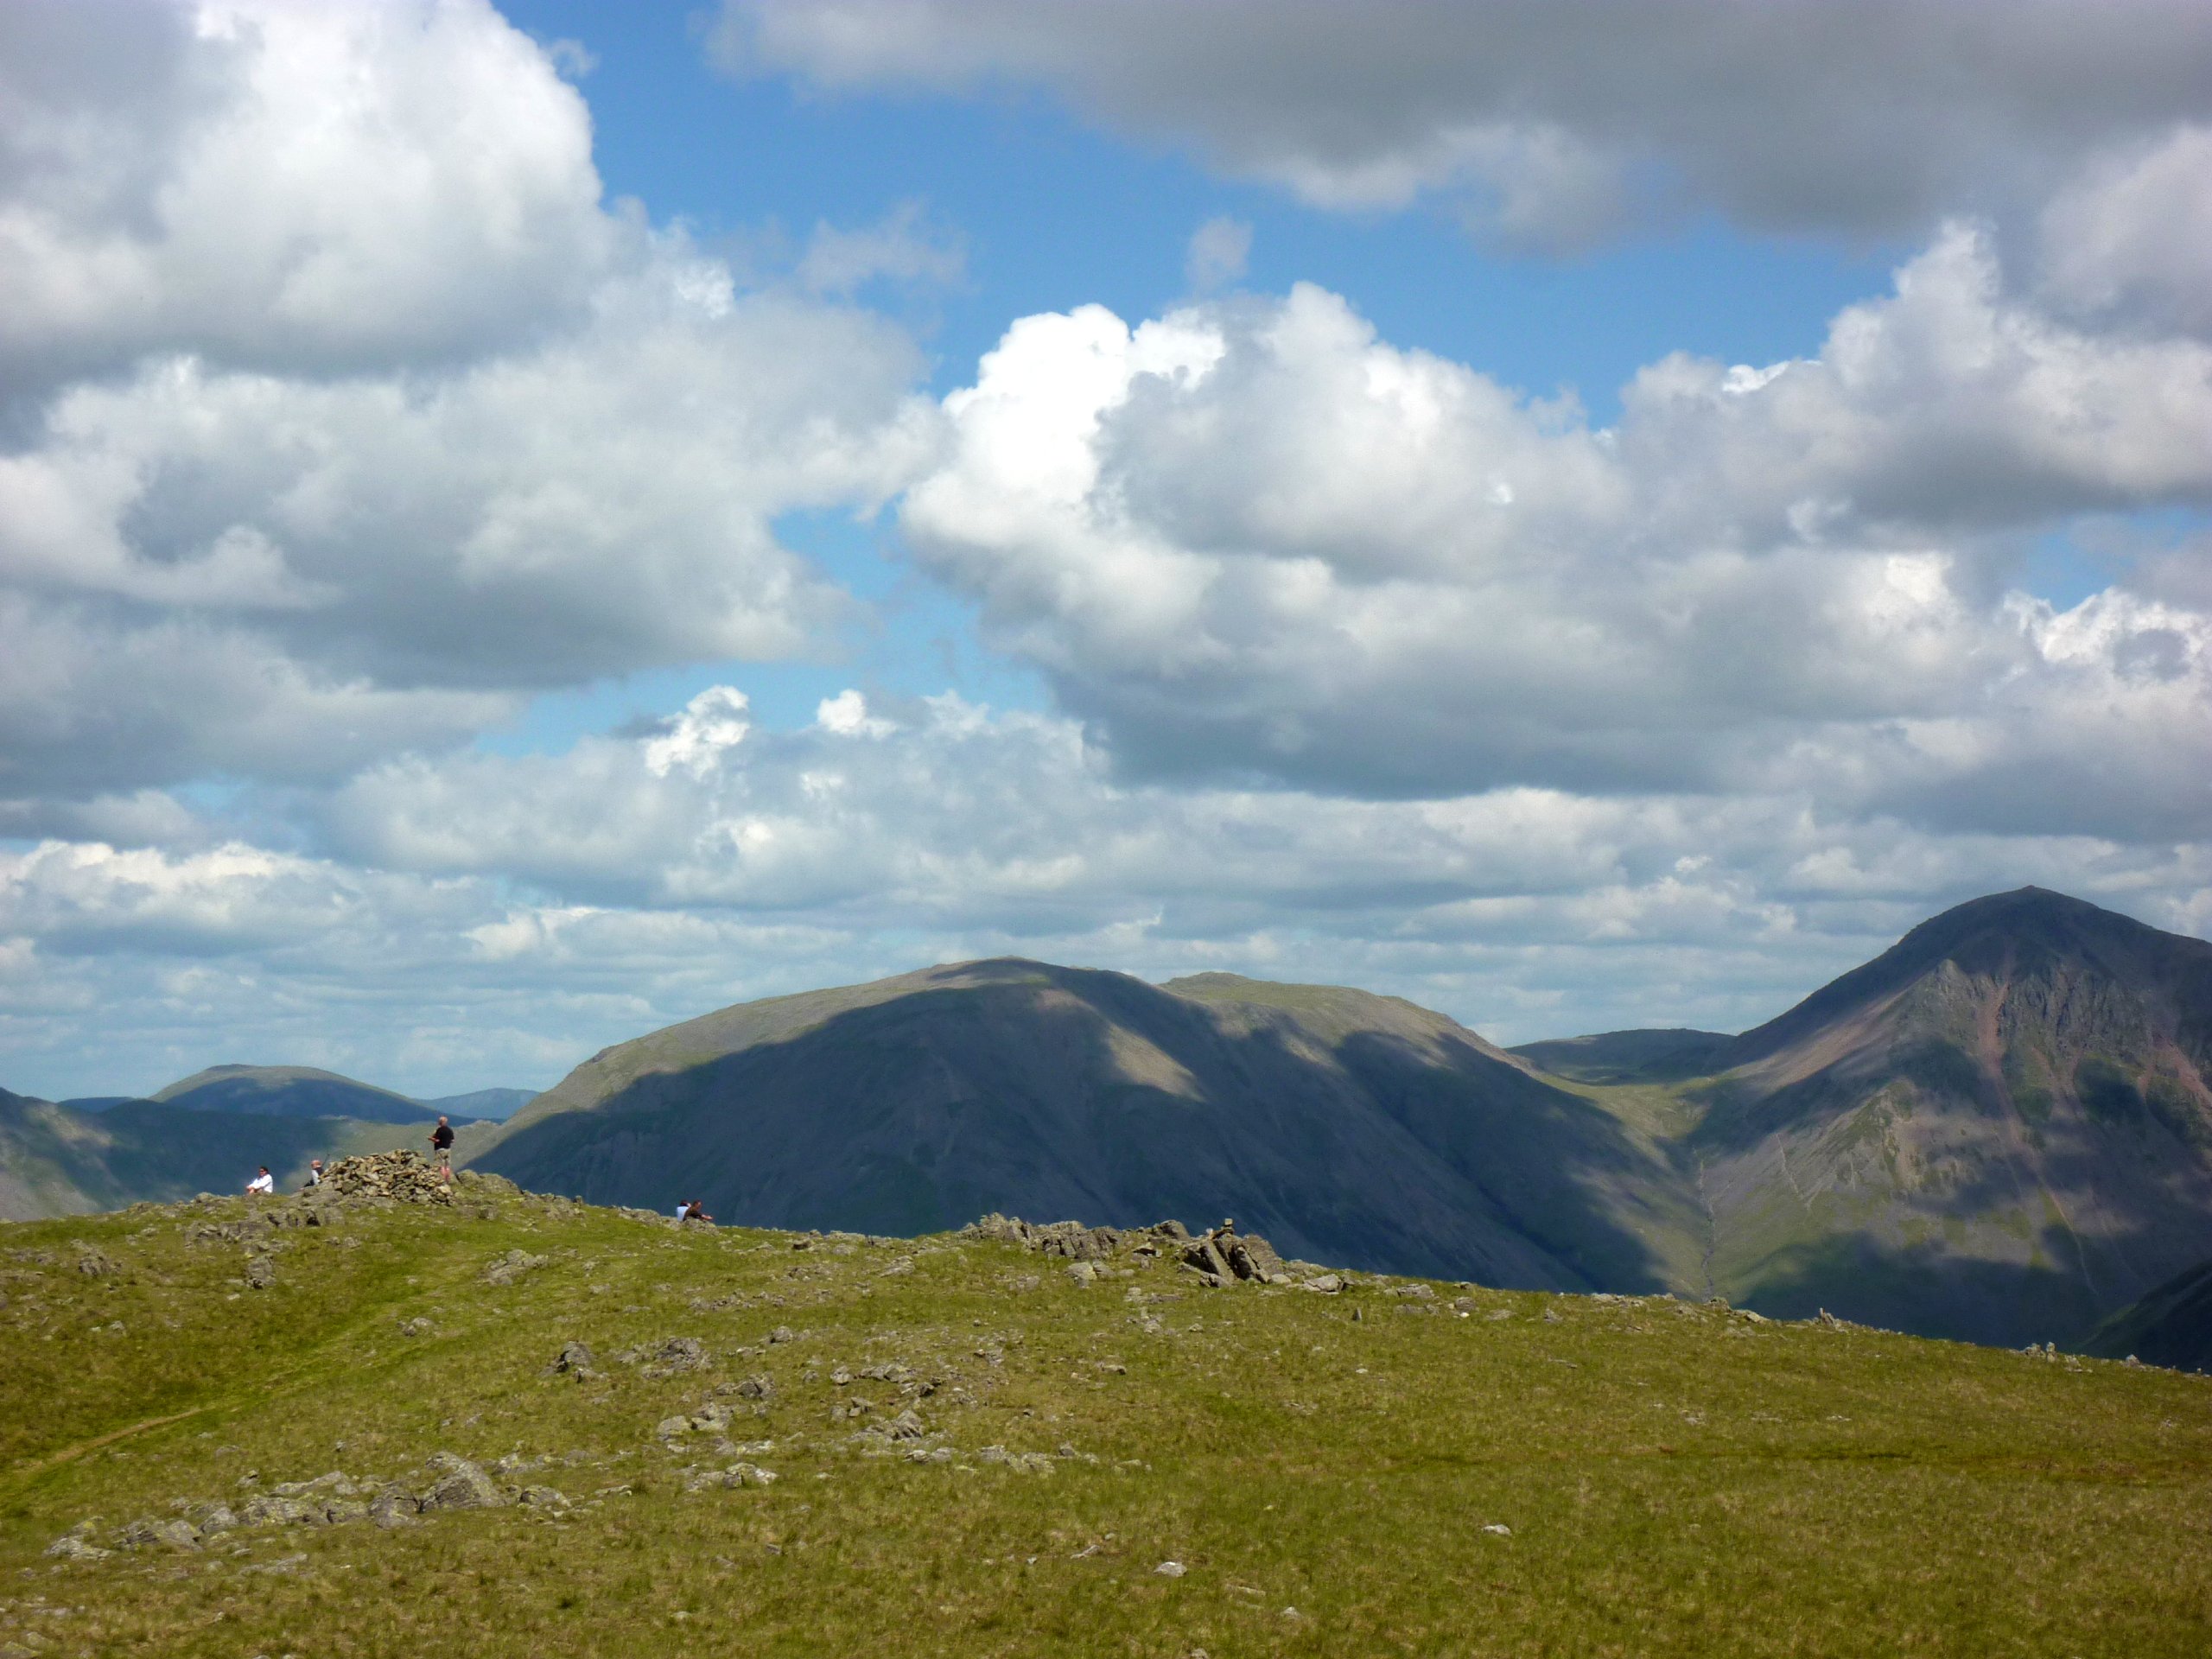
{"points": [[70, 1547], [269, 1510], [737, 1475], [260, 1273], [93, 1264], [676, 1356], [757, 1387], [1025, 1463], [506, 1269], [575, 1360], [461, 1485]]}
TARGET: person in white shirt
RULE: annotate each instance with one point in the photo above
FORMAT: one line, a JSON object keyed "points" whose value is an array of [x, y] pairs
{"points": [[263, 1182], [315, 1174]]}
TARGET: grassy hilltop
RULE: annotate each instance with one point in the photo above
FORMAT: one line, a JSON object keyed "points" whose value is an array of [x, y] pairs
{"points": [[1374, 1471]]}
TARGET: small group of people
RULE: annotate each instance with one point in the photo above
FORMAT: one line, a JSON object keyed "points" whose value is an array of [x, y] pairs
{"points": [[692, 1209], [264, 1184]]}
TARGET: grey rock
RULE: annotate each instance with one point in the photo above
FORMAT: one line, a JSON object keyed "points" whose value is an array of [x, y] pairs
{"points": [[1084, 1273], [757, 1387], [1328, 1284], [461, 1485], [169, 1534], [395, 1506], [575, 1360], [269, 1510], [506, 1269], [260, 1273], [676, 1356]]}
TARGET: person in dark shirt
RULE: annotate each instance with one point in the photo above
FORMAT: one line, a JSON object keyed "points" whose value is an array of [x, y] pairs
{"points": [[442, 1143]]}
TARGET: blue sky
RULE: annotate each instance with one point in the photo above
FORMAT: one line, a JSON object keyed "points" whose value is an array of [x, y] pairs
{"points": [[522, 524]]}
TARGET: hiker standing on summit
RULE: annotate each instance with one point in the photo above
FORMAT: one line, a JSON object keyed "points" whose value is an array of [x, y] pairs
{"points": [[441, 1144]]}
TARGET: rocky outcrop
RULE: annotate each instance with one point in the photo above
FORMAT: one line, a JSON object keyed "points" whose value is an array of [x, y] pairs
{"points": [[1221, 1256]]}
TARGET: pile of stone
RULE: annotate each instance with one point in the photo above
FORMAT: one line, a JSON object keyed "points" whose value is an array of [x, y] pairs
{"points": [[401, 1177]]}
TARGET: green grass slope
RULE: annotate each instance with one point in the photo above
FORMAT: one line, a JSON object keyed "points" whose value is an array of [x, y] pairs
{"points": [[1464, 1471], [1639, 1056]]}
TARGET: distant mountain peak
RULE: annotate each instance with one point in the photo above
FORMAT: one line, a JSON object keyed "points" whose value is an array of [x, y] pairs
{"points": [[2001, 937]]}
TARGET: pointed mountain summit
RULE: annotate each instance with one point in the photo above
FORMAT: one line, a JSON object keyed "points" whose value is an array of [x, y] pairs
{"points": [[1999, 1125]]}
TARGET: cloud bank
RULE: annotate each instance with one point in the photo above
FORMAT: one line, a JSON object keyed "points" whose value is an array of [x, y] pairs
{"points": [[1553, 126], [343, 415]]}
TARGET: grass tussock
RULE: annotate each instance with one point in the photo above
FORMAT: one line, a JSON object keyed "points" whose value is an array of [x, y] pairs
{"points": [[1331, 1472]]}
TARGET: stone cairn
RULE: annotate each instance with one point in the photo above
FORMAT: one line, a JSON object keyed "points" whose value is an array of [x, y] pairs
{"points": [[397, 1177]]}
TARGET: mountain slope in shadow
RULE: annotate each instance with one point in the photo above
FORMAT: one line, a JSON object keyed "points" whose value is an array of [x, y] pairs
{"points": [[289, 1091], [1345, 1127]]}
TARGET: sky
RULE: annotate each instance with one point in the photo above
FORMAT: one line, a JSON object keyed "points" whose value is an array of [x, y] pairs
{"points": [[519, 525]]}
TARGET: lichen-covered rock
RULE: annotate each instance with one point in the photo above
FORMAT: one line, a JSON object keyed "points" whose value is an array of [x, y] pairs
{"points": [[575, 1360], [461, 1485]]}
